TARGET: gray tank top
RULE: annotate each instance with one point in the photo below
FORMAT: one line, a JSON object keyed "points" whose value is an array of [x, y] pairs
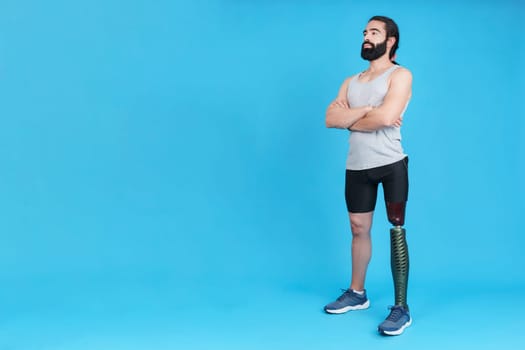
{"points": [[376, 148]]}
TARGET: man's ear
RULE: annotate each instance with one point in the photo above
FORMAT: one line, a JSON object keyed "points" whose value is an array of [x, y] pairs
{"points": [[391, 41]]}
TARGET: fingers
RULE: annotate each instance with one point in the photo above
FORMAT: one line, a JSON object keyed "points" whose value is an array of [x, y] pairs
{"points": [[398, 122], [340, 104]]}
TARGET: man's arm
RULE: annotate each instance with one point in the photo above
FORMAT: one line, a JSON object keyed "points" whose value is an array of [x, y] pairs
{"points": [[339, 114], [389, 113]]}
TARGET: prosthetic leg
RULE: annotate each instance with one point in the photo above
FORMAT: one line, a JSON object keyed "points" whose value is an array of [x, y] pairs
{"points": [[399, 317], [399, 251]]}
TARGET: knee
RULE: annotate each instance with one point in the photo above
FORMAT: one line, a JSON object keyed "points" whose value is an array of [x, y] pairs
{"points": [[360, 224], [359, 229]]}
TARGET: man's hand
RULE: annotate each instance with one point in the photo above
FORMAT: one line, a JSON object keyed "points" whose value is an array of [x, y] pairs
{"points": [[340, 104], [398, 122]]}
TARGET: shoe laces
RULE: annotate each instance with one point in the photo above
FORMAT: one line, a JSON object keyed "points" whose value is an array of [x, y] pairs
{"points": [[396, 312], [345, 293]]}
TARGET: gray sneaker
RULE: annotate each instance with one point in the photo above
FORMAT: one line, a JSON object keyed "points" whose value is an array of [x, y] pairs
{"points": [[349, 300], [396, 322]]}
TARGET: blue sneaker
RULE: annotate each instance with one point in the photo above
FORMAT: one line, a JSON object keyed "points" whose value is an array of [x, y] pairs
{"points": [[396, 322], [349, 300]]}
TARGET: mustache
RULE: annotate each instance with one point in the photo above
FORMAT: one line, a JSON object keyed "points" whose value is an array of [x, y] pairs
{"points": [[367, 48]]}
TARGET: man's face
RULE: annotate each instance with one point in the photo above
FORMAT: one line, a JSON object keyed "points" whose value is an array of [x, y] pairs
{"points": [[375, 41]]}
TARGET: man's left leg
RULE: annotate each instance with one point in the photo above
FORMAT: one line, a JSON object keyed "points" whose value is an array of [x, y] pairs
{"points": [[395, 186], [399, 260]]}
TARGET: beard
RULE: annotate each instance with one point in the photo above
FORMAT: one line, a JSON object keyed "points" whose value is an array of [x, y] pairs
{"points": [[374, 52]]}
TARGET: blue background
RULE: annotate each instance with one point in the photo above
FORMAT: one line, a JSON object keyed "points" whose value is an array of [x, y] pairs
{"points": [[167, 181]]}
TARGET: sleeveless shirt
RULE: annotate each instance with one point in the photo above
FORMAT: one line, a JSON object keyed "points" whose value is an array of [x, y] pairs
{"points": [[372, 149]]}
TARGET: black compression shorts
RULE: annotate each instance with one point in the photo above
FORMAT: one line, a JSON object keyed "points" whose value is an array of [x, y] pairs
{"points": [[361, 186]]}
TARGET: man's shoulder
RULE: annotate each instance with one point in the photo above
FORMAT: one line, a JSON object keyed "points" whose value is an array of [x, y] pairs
{"points": [[402, 72]]}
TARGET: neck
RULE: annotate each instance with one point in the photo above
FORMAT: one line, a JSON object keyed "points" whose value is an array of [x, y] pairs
{"points": [[380, 64]]}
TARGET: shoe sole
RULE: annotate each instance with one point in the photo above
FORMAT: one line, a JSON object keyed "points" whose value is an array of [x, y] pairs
{"points": [[399, 331], [349, 308]]}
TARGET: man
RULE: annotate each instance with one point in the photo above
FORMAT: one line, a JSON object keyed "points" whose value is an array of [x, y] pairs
{"points": [[371, 105]]}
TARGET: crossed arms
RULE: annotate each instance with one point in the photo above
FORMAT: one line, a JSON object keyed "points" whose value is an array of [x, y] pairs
{"points": [[342, 116]]}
